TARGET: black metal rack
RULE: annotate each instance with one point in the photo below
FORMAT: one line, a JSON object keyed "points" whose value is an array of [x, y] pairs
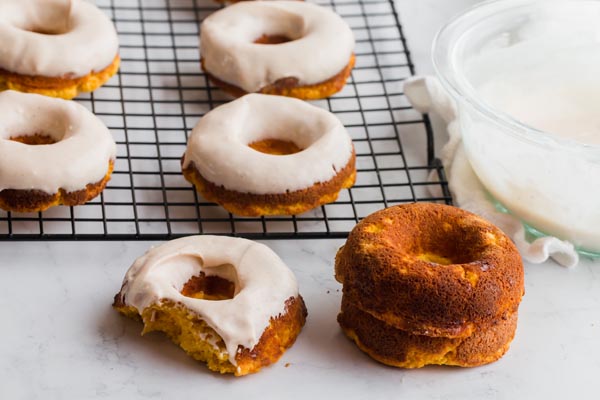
{"points": [[159, 95]]}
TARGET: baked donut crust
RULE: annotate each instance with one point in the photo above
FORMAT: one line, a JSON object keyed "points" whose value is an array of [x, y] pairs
{"points": [[427, 283], [34, 200], [61, 87], [289, 203], [291, 88], [398, 348]]}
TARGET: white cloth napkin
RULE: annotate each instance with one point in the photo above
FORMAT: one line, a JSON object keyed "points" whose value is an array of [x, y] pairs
{"points": [[427, 95]]}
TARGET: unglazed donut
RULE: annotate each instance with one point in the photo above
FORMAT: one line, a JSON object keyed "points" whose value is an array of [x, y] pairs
{"points": [[233, 156], [429, 284], [52, 152], [57, 48], [229, 302], [289, 48]]}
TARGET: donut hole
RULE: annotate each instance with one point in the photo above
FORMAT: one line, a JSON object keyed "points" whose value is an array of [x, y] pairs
{"points": [[277, 28], [40, 30], [446, 243], [34, 140], [435, 259], [449, 250], [50, 22], [209, 287], [273, 39], [275, 147], [49, 18]]}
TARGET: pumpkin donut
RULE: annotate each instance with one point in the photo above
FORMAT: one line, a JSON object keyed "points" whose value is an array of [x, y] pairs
{"points": [[229, 302], [269, 155], [52, 152], [288, 48], [57, 48], [429, 275]]}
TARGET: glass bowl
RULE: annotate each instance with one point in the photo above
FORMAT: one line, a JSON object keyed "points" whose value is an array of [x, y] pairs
{"points": [[525, 76]]}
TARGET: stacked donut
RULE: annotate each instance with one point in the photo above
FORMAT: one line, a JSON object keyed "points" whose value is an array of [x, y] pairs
{"points": [[429, 284]]}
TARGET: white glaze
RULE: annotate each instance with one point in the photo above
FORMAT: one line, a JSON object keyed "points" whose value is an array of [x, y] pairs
{"points": [[322, 46], [86, 40], [218, 145], [545, 73], [81, 155], [540, 67], [262, 281]]}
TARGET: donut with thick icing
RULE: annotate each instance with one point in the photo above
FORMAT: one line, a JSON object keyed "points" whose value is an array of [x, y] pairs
{"points": [[229, 302], [57, 48], [52, 152], [442, 283], [269, 155], [289, 48]]}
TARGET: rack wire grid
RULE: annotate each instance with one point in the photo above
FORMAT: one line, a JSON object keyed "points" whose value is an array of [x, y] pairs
{"points": [[160, 93]]}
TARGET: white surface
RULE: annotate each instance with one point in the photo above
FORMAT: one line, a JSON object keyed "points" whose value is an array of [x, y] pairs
{"points": [[61, 339]]}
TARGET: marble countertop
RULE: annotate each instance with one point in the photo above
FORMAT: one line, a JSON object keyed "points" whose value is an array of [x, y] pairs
{"points": [[62, 340]]}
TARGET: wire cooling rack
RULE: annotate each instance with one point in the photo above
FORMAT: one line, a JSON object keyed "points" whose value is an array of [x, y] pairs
{"points": [[159, 95]]}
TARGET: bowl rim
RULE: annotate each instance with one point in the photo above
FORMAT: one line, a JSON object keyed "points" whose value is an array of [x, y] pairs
{"points": [[468, 93]]}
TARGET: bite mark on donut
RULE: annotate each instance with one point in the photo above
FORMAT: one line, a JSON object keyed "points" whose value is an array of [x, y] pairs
{"points": [[200, 341], [275, 147]]}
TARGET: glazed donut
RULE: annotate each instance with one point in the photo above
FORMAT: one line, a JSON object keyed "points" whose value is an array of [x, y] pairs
{"points": [[57, 48], [231, 156], [430, 271], [289, 48], [52, 152], [229, 302]]}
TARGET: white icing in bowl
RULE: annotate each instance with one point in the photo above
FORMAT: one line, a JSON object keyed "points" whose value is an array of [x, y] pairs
{"points": [[524, 75]]}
